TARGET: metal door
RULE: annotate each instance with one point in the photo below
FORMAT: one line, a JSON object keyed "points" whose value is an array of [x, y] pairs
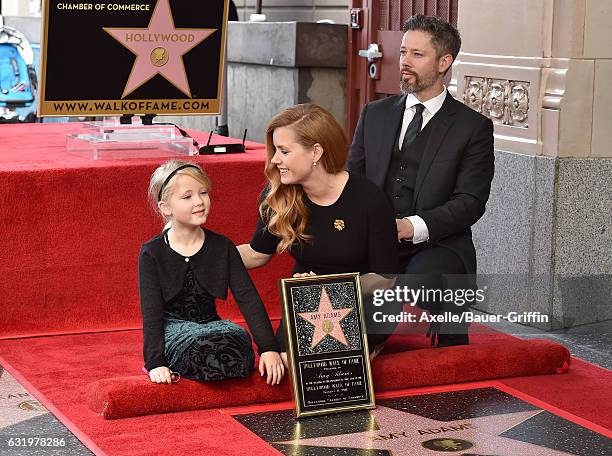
{"points": [[375, 36]]}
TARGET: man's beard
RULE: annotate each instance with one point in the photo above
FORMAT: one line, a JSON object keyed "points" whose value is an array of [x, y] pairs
{"points": [[419, 84]]}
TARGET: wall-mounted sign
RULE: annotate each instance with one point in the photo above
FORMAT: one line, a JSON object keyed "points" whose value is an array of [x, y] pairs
{"points": [[114, 57]]}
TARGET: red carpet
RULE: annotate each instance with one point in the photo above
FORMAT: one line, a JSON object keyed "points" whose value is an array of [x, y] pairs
{"points": [[73, 248], [58, 370], [72, 256], [126, 397]]}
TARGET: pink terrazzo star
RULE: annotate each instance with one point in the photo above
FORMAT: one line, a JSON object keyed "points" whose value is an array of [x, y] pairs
{"points": [[402, 433], [326, 321], [159, 49]]}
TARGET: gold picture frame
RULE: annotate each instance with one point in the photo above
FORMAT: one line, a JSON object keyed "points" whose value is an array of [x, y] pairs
{"points": [[327, 348]]}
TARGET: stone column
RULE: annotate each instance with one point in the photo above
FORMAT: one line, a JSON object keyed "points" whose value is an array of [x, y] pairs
{"points": [[542, 71], [274, 65]]}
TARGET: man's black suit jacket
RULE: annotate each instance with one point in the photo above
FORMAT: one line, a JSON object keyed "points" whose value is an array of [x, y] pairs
{"points": [[455, 173]]}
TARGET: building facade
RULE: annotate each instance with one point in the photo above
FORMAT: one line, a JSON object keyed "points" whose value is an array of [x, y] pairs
{"points": [[296, 10]]}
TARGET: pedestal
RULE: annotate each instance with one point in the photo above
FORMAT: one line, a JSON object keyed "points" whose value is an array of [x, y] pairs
{"points": [[109, 139]]}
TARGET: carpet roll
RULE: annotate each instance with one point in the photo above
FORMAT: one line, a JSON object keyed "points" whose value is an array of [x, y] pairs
{"points": [[136, 396]]}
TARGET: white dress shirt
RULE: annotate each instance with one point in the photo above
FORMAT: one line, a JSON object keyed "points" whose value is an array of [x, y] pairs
{"points": [[432, 106]]}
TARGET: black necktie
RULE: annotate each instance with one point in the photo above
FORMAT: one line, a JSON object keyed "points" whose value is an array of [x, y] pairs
{"points": [[414, 127]]}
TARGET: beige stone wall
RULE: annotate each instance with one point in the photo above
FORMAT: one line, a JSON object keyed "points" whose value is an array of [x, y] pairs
{"points": [[541, 69], [20, 7], [296, 10]]}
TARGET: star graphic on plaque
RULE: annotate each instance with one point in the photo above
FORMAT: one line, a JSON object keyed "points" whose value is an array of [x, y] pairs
{"points": [[326, 321], [403, 433], [159, 49]]}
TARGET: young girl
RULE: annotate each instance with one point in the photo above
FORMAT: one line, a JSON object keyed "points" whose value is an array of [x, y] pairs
{"points": [[180, 273]]}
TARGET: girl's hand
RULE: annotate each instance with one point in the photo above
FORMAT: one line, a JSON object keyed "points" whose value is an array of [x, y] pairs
{"points": [[304, 274], [270, 363], [160, 374]]}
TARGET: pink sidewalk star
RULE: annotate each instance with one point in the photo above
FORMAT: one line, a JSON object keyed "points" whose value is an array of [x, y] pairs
{"points": [[401, 433]]}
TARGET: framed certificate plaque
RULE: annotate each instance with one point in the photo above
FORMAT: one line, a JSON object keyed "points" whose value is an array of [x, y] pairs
{"points": [[327, 346]]}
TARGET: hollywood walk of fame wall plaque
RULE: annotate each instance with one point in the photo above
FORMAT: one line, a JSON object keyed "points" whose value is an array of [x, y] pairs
{"points": [[106, 57], [327, 346]]}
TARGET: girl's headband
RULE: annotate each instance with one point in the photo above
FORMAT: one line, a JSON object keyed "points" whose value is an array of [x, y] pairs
{"points": [[171, 175]]}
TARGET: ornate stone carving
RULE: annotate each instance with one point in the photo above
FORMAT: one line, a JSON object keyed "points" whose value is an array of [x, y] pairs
{"points": [[519, 104], [495, 101], [503, 101], [474, 94]]}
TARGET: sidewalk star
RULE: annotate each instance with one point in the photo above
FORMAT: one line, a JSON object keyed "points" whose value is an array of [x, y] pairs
{"points": [[403, 433]]}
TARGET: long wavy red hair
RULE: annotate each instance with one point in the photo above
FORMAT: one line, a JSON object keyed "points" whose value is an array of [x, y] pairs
{"points": [[284, 209]]}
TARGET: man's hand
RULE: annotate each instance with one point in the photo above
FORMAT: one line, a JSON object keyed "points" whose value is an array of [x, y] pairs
{"points": [[372, 281], [405, 230], [270, 362]]}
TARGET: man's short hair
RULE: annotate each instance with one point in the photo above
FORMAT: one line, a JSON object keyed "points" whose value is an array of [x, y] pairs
{"points": [[444, 37]]}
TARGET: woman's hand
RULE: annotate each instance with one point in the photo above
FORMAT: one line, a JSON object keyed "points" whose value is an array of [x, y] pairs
{"points": [[160, 374], [283, 356], [304, 274], [270, 362]]}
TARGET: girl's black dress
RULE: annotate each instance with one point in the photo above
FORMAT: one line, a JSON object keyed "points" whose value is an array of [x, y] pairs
{"points": [[181, 326]]}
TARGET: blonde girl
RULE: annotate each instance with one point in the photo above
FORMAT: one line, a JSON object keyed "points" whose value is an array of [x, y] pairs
{"points": [[181, 273]]}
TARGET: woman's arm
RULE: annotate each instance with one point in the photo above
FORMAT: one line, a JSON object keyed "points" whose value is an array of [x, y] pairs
{"points": [[262, 247], [256, 316], [251, 258], [382, 234], [250, 303], [382, 245]]}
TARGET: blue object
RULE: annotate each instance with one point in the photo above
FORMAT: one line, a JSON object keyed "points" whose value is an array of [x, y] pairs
{"points": [[15, 85]]}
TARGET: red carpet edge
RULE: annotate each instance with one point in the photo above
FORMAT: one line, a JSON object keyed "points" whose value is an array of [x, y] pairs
{"points": [[84, 438], [126, 397]]}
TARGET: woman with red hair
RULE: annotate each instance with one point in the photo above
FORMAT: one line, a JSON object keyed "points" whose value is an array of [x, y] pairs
{"points": [[329, 220]]}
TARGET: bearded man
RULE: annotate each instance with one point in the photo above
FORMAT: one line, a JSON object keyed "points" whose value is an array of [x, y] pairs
{"points": [[434, 158]]}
